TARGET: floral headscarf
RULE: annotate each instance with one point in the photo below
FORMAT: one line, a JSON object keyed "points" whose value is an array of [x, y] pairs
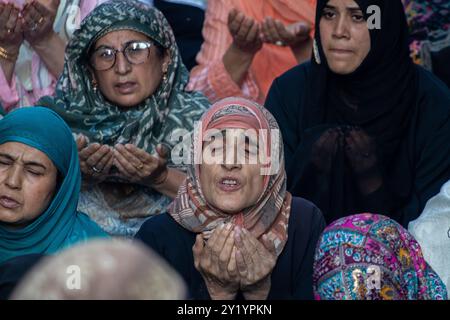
{"points": [[270, 214], [372, 257]]}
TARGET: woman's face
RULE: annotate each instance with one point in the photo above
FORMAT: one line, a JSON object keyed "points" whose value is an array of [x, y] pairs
{"points": [[27, 183], [344, 36], [230, 187], [126, 84]]}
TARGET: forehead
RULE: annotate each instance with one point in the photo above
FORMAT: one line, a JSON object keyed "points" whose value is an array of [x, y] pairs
{"points": [[343, 3], [118, 37], [24, 152]]}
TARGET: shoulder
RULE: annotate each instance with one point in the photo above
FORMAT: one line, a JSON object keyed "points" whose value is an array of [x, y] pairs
{"points": [[294, 77], [160, 227], [305, 216], [433, 95]]}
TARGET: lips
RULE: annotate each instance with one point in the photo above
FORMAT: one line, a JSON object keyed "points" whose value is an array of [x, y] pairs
{"points": [[341, 51], [8, 202], [125, 87], [229, 184]]}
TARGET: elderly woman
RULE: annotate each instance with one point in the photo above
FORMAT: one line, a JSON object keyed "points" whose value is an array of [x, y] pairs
{"points": [[33, 36], [364, 129], [371, 257], [39, 186], [233, 230], [122, 90]]}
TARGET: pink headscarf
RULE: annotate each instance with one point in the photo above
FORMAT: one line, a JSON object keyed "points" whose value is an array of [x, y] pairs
{"points": [[270, 214]]}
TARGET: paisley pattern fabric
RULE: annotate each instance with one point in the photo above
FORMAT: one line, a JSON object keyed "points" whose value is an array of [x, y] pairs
{"points": [[371, 257], [429, 24]]}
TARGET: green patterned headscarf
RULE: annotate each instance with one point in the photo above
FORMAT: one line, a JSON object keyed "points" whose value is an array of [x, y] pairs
{"points": [[151, 122]]}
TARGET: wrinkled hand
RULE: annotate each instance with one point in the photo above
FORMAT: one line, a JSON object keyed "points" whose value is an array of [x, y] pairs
{"points": [[96, 160], [245, 32], [255, 261], [137, 166], [360, 150], [11, 35], [325, 148], [38, 19], [216, 262], [273, 31]]}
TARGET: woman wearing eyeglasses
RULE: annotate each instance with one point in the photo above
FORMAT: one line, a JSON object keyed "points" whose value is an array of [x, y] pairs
{"points": [[122, 92]]}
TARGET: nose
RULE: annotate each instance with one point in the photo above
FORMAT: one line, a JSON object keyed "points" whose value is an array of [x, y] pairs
{"points": [[231, 159], [14, 178], [122, 65], [341, 29]]}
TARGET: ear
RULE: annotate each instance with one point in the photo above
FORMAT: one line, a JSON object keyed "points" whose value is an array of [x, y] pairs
{"points": [[166, 61]]}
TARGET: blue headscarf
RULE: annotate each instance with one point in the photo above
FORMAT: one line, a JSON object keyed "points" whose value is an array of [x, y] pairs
{"points": [[61, 225]]}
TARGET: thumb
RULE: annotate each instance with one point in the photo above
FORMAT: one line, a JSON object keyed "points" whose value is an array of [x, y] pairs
{"points": [[269, 244], [163, 151]]}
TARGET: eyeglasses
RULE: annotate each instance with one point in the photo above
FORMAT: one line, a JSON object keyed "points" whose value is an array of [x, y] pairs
{"points": [[135, 52]]}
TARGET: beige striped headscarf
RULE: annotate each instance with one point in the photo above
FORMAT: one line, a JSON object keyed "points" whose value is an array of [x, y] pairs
{"points": [[270, 214]]}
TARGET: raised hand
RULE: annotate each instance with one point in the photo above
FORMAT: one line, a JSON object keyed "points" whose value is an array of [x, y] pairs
{"points": [[96, 160], [275, 32], [361, 152], [137, 166], [11, 35], [38, 19], [255, 261], [245, 32], [216, 262], [324, 149]]}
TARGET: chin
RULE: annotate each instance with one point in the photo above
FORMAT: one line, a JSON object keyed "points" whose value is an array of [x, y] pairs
{"points": [[342, 68]]}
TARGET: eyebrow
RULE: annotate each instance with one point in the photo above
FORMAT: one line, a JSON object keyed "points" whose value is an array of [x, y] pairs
{"points": [[351, 9], [123, 44], [26, 163]]}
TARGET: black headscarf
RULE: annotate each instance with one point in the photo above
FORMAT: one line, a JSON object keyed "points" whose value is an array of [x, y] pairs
{"points": [[383, 89]]}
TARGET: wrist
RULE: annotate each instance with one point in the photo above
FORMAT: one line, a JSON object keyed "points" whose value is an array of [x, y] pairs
{"points": [[258, 291], [9, 53], [45, 42], [161, 178]]}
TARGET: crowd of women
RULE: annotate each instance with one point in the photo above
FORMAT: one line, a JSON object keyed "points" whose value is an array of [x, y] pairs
{"points": [[348, 196]]}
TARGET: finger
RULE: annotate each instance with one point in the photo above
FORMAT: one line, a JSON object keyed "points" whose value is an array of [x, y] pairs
{"points": [[123, 165], [97, 156], [13, 18], [269, 245], [197, 250], [163, 151], [10, 24], [121, 169], [222, 236], [245, 27], [232, 265], [5, 13], [81, 142], [283, 33], [40, 9], [268, 33], [85, 153], [235, 24], [104, 160], [227, 249], [109, 164], [32, 14], [129, 157], [241, 264], [242, 248], [253, 33], [139, 154], [274, 35]]}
